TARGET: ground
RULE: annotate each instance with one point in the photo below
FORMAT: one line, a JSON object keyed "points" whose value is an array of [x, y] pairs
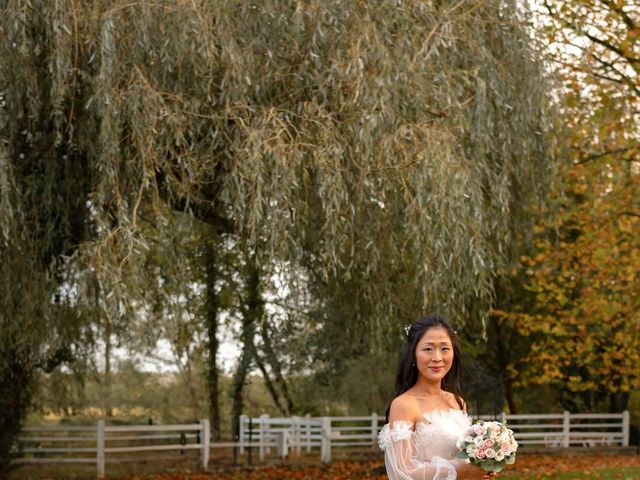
{"points": [[527, 467]]}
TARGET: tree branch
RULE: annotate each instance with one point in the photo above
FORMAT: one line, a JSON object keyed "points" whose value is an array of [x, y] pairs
{"points": [[625, 79], [631, 25], [204, 211], [612, 48], [629, 213], [595, 156]]}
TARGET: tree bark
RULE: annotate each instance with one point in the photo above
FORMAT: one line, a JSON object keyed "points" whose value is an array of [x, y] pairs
{"points": [[106, 386], [211, 320], [15, 382], [502, 357], [239, 380], [275, 367], [252, 312], [270, 387], [193, 392], [105, 382]]}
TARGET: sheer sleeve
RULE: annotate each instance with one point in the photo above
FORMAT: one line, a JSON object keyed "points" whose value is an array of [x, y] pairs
{"points": [[401, 460]]}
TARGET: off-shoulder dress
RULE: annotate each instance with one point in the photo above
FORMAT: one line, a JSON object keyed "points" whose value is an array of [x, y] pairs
{"points": [[426, 450]]}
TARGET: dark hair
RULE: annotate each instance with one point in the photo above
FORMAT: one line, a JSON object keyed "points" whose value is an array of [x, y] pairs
{"points": [[407, 375]]}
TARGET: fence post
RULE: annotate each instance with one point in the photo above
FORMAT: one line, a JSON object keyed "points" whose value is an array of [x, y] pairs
{"points": [[325, 447], [100, 448], [295, 434], [283, 444], [566, 428], [374, 430], [261, 434], [503, 417], [625, 428], [241, 433], [205, 438], [307, 419], [250, 456]]}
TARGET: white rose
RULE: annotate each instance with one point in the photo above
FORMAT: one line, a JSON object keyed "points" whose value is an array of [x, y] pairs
{"points": [[499, 455], [468, 439], [490, 453], [478, 441]]}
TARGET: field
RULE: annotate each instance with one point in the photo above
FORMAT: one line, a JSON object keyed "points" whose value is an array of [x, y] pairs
{"points": [[528, 467]]}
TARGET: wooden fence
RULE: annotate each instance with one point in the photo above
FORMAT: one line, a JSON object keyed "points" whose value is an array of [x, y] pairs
{"points": [[100, 444]]}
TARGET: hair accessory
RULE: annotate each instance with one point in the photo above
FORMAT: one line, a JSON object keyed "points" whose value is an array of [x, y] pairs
{"points": [[406, 329]]}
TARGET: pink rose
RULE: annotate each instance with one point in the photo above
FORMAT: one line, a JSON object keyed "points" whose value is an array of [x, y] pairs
{"points": [[505, 447], [479, 430], [480, 453], [488, 443]]}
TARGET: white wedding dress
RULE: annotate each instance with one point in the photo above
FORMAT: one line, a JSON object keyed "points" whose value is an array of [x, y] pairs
{"points": [[426, 452]]}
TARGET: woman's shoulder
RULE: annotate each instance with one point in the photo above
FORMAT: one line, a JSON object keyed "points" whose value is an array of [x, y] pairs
{"points": [[406, 399], [452, 400], [405, 408]]}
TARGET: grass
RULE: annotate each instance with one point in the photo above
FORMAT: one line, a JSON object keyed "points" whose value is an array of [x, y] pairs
{"points": [[624, 473], [307, 467]]}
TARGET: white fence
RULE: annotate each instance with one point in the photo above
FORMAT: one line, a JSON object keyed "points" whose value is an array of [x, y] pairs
{"points": [[570, 429], [298, 433], [547, 430], [93, 444], [100, 443]]}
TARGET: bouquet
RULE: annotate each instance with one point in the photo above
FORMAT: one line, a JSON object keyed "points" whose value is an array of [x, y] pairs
{"points": [[488, 444]]}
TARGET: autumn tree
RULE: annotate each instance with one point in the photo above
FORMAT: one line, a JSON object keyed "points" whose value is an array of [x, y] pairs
{"points": [[581, 313]]}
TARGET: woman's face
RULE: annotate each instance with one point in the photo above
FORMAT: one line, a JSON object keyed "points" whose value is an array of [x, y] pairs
{"points": [[434, 354]]}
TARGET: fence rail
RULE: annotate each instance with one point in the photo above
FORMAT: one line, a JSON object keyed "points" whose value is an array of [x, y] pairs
{"points": [[97, 443]]}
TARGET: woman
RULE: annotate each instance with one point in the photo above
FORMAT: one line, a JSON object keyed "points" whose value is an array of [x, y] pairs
{"points": [[428, 414]]}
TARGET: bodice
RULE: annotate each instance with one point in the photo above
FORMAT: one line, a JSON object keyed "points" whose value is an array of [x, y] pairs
{"points": [[435, 436]]}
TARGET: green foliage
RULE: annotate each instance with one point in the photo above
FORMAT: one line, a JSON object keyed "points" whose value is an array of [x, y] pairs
{"points": [[252, 116], [383, 154]]}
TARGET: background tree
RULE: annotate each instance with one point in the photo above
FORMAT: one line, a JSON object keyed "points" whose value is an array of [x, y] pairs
{"points": [[340, 138], [580, 316]]}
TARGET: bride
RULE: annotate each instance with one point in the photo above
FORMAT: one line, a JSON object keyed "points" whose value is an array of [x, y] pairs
{"points": [[427, 414]]}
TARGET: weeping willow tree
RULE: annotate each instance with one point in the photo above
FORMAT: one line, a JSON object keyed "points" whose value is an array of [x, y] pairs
{"points": [[396, 147]]}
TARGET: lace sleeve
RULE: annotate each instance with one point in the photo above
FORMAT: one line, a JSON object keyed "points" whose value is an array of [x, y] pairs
{"points": [[400, 458]]}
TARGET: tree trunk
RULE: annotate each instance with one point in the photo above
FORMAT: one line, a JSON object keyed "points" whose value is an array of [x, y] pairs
{"points": [[252, 312], [191, 386], [104, 383], [106, 387], [618, 402], [239, 381], [275, 366], [502, 357], [15, 380], [270, 386], [508, 392], [211, 319]]}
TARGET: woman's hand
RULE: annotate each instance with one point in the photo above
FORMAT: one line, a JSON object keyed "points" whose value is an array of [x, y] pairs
{"points": [[473, 472]]}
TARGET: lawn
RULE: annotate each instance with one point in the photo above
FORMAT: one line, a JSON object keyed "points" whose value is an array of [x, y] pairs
{"points": [[528, 467]]}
